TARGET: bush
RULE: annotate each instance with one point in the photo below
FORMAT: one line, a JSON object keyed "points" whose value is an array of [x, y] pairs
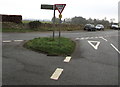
{"points": [[34, 24]]}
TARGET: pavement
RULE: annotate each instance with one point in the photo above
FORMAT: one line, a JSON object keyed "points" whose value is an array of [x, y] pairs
{"points": [[94, 61]]}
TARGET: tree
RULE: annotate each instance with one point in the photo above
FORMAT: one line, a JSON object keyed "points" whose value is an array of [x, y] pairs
{"points": [[57, 20], [78, 20], [67, 20]]}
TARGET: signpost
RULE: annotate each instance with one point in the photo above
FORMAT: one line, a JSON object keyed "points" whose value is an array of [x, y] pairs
{"points": [[50, 7], [46, 6], [60, 8]]}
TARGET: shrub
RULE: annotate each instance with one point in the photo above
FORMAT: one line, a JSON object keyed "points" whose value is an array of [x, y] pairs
{"points": [[34, 24]]}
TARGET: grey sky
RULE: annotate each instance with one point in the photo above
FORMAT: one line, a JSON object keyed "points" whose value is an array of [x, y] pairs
{"points": [[119, 11], [30, 9]]}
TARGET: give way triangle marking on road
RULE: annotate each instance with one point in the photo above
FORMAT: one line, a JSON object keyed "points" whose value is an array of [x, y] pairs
{"points": [[94, 44]]}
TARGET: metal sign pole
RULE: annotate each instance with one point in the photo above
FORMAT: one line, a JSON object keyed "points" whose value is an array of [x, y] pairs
{"points": [[54, 22], [59, 29], [60, 8], [50, 7]]}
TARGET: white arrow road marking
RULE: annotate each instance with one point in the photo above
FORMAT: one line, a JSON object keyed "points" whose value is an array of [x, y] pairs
{"points": [[67, 59], [94, 46], [115, 48], [56, 74]]}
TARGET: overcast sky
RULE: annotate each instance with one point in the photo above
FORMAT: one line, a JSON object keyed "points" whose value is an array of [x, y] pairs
{"points": [[30, 9]]}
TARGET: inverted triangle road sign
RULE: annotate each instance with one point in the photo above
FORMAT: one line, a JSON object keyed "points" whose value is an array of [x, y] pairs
{"points": [[94, 44], [60, 7]]}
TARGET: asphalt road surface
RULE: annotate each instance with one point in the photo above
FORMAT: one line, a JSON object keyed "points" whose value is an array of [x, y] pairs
{"points": [[94, 61]]}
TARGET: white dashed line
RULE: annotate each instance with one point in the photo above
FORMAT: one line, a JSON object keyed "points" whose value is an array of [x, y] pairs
{"points": [[82, 38], [96, 37], [87, 38], [77, 39], [56, 74], [100, 36], [115, 48], [7, 41], [67, 59], [18, 40], [91, 37]]}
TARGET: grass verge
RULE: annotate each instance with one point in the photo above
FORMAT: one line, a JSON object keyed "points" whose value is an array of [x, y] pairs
{"points": [[51, 47]]}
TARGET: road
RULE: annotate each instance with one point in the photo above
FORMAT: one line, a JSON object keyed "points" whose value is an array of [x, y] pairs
{"points": [[94, 61]]}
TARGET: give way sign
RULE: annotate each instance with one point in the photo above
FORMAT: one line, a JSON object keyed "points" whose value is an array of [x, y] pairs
{"points": [[60, 7]]}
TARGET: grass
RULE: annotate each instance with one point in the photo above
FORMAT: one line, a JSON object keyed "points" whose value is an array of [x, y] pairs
{"points": [[25, 21], [51, 47]]}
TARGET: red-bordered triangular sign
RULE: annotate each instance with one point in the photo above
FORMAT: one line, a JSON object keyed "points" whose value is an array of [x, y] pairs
{"points": [[60, 7]]}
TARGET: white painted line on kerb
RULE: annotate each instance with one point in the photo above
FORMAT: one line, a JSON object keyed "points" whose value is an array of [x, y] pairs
{"points": [[18, 40], [67, 59], [56, 74], [115, 48], [7, 41], [104, 39]]}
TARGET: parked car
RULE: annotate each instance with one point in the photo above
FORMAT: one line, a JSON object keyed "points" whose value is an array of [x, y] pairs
{"points": [[99, 27], [115, 26], [89, 27]]}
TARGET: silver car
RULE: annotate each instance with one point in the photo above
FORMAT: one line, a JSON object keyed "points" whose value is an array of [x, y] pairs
{"points": [[99, 27]]}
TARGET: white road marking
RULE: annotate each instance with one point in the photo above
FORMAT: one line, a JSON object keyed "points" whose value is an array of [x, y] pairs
{"points": [[87, 38], [7, 41], [104, 39], [18, 40], [94, 46], [100, 36], [56, 74], [91, 37], [96, 37], [77, 39], [82, 38], [115, 48], [67, 59]]}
